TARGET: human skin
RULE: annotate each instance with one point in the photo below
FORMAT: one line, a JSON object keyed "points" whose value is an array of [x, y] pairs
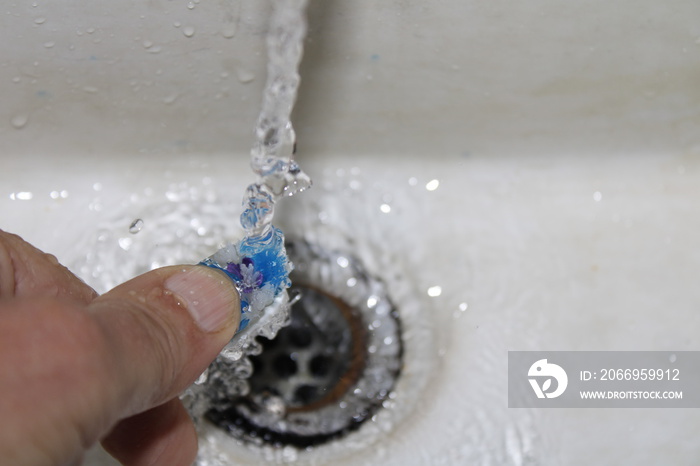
{"points": [[77, 368]]}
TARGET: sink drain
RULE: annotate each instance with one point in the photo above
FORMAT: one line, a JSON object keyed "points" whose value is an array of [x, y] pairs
{"points": [[330, 369], [314, 360]]}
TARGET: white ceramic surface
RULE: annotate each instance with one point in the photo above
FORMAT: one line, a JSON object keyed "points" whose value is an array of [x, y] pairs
{"points": [[564, 137]]}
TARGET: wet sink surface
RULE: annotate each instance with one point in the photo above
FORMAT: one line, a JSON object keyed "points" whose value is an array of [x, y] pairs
{"points": [[529, 254]]}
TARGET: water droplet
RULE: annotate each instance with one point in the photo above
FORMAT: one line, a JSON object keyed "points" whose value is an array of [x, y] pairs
{"points": [[97, 186], [147, 44], [463, 306], [170, 99], [40, 20], [244, 75], [125, 243], [342, 261], [432, 185], [289, 454], [202, 377], [16, 79], [597, 196], [672, 358], [22, 196], [177, 24], [90, 30], [229, 31], [90, 89], [136, 226], [49, 44], [434, 291], [385, 208], [19, 121], [188, 31], [190, 6]]}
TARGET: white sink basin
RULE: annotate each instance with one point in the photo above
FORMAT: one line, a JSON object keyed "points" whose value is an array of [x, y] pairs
{"points": [[564, 138]]}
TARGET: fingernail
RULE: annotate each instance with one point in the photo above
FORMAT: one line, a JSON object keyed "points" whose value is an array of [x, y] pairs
{"points": [[209, 296]]}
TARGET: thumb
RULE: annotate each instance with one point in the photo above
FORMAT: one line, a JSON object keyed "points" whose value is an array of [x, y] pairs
{"points": [[164, 328], [72, 372]]}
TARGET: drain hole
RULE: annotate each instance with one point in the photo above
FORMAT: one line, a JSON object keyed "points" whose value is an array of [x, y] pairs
{"points": [[284, 366], [300, 337], [320, 366], [330, 369], [267, 343], [305, 394]]}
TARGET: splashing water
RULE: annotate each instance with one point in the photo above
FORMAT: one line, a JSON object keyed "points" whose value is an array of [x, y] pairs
{"points": [[258, 263], [272, 154]]}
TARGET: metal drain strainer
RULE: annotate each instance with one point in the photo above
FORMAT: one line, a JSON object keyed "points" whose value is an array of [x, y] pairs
{"points": [[330, 369]]}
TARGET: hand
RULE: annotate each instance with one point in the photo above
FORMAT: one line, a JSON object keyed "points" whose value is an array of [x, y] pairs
{"points": [[77, 368]]}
